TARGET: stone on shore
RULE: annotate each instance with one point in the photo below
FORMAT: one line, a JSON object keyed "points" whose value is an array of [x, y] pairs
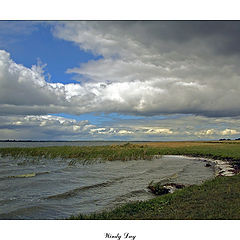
{"points": [[161, 189]]}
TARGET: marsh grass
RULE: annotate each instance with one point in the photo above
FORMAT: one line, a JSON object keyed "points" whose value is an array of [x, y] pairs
{"points": [[217, 150], [109, 153]]}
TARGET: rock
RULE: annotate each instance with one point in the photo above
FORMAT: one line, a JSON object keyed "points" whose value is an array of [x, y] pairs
{"points": [[159, 189], [176, 185], [208, 165]]}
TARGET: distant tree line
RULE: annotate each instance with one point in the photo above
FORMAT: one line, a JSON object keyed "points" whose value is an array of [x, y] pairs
{"points": [[228, 139]]}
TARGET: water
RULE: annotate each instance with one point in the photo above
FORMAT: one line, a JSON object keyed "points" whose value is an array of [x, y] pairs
{"points": [[51, 189], [52, 143]]}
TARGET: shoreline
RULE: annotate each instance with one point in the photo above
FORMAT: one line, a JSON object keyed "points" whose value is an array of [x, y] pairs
{"points": [[221, 167]]}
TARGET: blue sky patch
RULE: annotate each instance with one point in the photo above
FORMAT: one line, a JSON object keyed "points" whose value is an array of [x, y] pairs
{"points": [[39, 44]]}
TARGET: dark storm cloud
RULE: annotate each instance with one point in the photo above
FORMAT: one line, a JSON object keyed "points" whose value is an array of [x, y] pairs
{"points": [[223, 36]]}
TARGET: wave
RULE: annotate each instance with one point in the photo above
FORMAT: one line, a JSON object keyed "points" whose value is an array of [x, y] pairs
{"points": [[24, 213], [76, 191], [155, 169], [173, 176], [170, 177], [6, 201]]}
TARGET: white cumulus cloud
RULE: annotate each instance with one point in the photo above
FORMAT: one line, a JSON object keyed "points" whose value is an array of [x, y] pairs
{"points": [[50, 127]]}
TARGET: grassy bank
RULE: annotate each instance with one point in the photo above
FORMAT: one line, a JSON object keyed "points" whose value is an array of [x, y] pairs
{"points": [[215, 199]]}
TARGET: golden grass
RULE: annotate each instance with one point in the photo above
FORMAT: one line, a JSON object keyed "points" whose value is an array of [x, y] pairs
{"points": [[181, 144]]}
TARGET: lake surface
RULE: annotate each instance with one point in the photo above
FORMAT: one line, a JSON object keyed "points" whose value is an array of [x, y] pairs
{"points": [[52, 143], [53, 189]]}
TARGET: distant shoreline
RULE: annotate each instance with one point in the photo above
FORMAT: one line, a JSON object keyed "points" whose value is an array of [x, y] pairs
{"points": [[216, 140], [71, 141]]}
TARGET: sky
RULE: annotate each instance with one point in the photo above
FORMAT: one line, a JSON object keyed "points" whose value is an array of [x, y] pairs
{"points": [[119, 80]]}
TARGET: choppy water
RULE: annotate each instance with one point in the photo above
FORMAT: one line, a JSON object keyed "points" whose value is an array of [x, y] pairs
{"points": [[52, 143], [51, 189]]}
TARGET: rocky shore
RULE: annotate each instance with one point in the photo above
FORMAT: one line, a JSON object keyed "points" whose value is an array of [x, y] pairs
{"points": [[222, 168]]}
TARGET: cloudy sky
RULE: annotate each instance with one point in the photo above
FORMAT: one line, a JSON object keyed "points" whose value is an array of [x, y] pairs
{"points": [[119, 80]]}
